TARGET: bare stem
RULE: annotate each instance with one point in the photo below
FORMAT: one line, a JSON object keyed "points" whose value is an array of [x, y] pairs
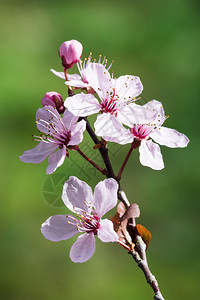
{"points": [[125, 162], [103, 150], [103, 171], [134, 145]]}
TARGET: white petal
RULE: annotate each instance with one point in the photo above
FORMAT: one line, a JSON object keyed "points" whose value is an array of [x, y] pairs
{"points": [[98, 78], [105, 196], [127, 87], [59, 74], [156, 107], [169, 137], [83, 249], [76, 83], [107, 126], [150, 155], [39, 153], [57, 228], [77, 194], [82, 105], [56, 160], [122, 137], [106, 232], [135, 114], [77, 133]]}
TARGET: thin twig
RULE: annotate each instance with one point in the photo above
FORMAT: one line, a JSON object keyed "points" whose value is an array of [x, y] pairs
{"points": [[103, 171]]}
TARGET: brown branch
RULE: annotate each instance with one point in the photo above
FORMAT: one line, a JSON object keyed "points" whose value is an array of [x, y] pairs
{"points": [[103, 171], [139, 255]]}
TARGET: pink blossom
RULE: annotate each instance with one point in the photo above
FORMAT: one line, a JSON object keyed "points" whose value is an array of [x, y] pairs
{"points": [[116, 97], [81, 81], [150, 154], [70, 53], [57, 133], [89, 208], [55, 100]]}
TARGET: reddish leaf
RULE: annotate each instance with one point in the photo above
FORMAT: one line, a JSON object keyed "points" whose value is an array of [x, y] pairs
{"points": [[144, 233]]}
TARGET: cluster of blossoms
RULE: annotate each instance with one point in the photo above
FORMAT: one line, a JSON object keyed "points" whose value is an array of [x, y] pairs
{"points": [[119, 119]]}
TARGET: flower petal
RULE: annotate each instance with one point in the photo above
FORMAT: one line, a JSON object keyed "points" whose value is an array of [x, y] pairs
{"points": [[106, 232], [156, 107], [150, 155], [77, 133], [135, 114], [76, 83], [57, 228], [82, 105], [77, 194], [59, 74], [127, 87], [83, 249], [56, 160], [39, 153], [69, 119], [169, 137], [43, 117], [107, 126], [98, 78], [105, 196]]}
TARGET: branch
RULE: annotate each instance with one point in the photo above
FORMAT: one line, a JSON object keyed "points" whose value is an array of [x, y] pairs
{"points": [[103, 150], [103, 171], [139, 253]]}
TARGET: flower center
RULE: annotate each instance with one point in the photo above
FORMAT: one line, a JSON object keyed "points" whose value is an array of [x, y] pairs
{"points": [[90, 223], [109, 104], [141, 131], [54, 130]]}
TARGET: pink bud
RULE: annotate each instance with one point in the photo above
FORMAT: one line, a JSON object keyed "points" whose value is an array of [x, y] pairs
{"points": [[54, 99], [70, 53]]}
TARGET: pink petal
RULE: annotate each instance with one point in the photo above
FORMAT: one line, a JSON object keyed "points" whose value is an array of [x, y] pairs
{"points": [[106, 232], [107, 126], [98, 78], [105, 196], [69, 119], [77, 133], [39, 153], [83, 249], [56, 160], [132, 89], [169, 137], [57, 228], [77, 194], [45, 114], [150, 155], [82, 105]]}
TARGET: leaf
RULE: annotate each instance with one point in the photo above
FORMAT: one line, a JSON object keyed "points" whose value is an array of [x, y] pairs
{"points": [[144, 233], [132, 211]]}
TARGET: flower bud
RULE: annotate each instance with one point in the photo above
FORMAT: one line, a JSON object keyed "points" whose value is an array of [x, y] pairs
{"points": [[54, 99], [70, 53]]}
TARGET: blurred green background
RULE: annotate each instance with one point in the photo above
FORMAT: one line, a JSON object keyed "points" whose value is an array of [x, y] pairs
{"points": [[156, 40]]}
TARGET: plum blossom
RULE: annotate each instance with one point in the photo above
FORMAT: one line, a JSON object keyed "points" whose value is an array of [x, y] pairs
{"points": [[57, 133], [143, 133], [89, 208], [70, 53], [81, 81], [116, 97], [55, 100]]}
